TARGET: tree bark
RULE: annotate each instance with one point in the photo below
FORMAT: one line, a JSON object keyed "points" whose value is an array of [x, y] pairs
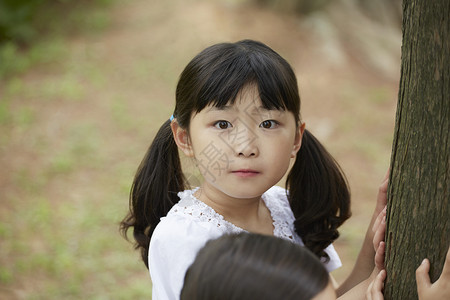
{"points": [[418, 215]]}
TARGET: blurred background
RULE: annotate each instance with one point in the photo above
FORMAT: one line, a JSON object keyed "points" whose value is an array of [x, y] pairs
{"points": [[84, 85]]}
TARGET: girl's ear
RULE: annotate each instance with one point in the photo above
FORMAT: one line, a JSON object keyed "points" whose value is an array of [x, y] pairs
{"points": [[181, 137], [298, 140]]}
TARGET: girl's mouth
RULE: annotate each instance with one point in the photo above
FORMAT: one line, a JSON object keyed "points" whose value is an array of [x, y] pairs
{"points": [[246, 173]]}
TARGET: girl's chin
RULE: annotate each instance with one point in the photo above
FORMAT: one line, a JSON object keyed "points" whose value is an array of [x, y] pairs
{"points": [[239, 192], [236, 187]]}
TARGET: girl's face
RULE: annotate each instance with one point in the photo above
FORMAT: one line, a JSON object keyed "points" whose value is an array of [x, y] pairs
{"points": [[242, 149]]}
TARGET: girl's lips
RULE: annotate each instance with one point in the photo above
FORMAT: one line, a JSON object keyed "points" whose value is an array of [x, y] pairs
{"points": [[245, 173]]}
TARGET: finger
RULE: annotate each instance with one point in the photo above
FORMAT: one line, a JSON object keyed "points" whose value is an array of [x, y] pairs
{"points": [[382, 193], [378, 237], [375, 289], [422, 277], [379, 281], [379, 285], [379, 219], [379, 256], [382, 190]]}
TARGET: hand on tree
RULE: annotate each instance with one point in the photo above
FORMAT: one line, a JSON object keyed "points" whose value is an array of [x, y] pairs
{"points": [[440, 290]]}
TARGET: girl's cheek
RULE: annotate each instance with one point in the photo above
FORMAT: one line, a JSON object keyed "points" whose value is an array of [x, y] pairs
{"points": [[213, 161]]}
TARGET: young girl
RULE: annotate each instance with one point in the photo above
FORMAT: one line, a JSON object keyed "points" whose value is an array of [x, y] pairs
{"points": [[237, 115]]}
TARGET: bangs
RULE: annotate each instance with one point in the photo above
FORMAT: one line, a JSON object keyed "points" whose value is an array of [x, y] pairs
{"points": [[222, 71]]}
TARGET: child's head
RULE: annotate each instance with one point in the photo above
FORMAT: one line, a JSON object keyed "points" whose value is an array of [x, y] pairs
{"points": [[259, 88], [242, 145], [253, 266], [243, 100]]}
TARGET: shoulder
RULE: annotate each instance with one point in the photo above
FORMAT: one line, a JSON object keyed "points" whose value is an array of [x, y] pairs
{"points": [[277, 202], [276, 199], [181, 227], [173, 247], [175, 238], [186, 228]]}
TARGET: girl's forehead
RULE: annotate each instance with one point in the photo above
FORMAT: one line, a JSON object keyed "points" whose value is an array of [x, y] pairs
{"points": [[239, 104], [247, 100]]}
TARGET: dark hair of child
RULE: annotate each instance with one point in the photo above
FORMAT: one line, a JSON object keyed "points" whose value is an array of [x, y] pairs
{"points": [[317, 188], [254, 266]]}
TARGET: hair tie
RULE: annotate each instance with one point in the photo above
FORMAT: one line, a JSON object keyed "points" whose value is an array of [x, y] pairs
{"points": [[171, 118]]}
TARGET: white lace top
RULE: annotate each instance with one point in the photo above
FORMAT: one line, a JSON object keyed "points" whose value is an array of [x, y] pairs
{"points": [[191, 223]]}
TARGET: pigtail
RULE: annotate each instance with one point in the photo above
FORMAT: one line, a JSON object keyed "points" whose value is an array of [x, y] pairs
{"points": [[154, 191], [319, 195]]}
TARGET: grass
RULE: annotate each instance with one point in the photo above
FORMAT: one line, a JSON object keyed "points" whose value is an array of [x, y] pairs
{"points": [[74, 250], [17, 61], [59, 224]]}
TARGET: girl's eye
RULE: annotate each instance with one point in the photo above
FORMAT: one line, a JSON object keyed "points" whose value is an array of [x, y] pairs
{"points": [[269, 124], [223, 125]]}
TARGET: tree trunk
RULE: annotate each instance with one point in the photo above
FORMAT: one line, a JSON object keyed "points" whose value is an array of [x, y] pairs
{"points": [[418, 216]]}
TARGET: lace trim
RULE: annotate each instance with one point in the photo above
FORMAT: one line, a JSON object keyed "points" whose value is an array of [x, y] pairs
{"points": [[190, 205], [282, 227]]}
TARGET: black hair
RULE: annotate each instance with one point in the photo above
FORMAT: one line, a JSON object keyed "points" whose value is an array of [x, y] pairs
{"points": [[318, 193], [254, 266]]}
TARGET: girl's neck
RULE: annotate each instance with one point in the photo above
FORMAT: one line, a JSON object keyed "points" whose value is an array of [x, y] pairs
{"points": [[250, 214]]}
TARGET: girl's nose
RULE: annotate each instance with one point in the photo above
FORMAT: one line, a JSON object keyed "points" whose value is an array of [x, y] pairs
{"points": [[248, 146], [248, 152]]}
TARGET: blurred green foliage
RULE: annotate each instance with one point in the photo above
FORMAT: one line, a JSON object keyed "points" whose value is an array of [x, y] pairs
{"points": [[23, 21], [27, 25], [16, 20]]}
